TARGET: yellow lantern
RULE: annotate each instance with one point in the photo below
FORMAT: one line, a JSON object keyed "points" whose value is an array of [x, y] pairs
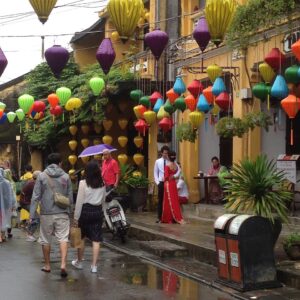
{"points": [[73, 145], [71, 172], [107, 139], [73, 129], [115, 36], [138, 111], [122, 140], [122, 123], [125, 15], [141, 22], [97, 157], [43, 8], [215, 110], [72, 159], [162, 113], [84, 142], [85, 159], [73, 104], [150, 116], [138, 141], [147, 16], [85, 129], [96, 141], [97, 128], [196, 118], [107, 124], [138, 158], [219, 14], [122, 158], [214, 71], [266, 72]]}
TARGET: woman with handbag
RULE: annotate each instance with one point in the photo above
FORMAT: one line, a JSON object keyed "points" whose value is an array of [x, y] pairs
{"points": [[88, 212]]}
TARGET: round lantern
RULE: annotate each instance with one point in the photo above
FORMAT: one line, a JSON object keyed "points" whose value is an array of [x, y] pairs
{"points": [[196, 118], [135, 95], [25, 102], [73, 104], [2, 105], [162, 113], [85, 128], [38, 106], [43, 8], [168, 107], [72, 159], [1, 113], [223, 101], [96, 84], [260, 91], [3, 118], [180, 104], [122, 158], [64, 94], [73, 130], [154, 97], [190, 102], [57, 58], [123, 123], [214, 71], [156, 40], [201, 34], [96, 141], [85, 159], [84, 142], [207, 92], [73, 145], [20, 114], [97, 128], [275, 59], [291, 74], [195, 88], [141, 126], [145, 101], [218, 86], [159, 103], [203, 105], [107, 124], [107, 139], [138, 158], [171, 95], [122, 140], [165, 124], [3, 62], [179, 86], [138, 141], [150, 117], [266, 72], [53, 100], [11, 116], [56, 111], [115, 36], [106, 55], [139, 111]]}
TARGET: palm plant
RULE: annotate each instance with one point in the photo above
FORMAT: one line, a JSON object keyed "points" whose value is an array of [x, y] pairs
{"points": [[257, 187]]}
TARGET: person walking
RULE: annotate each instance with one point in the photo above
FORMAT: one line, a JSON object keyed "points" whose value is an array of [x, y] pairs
{"points": [[54, 220], [88, 212], [110, 170]]}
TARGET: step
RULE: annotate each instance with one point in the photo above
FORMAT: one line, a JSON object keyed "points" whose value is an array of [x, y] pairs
{"points": [[163, 249]]}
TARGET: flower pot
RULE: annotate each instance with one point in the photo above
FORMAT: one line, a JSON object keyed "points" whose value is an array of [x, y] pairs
{"points": [[293, 252], [138, 198]]}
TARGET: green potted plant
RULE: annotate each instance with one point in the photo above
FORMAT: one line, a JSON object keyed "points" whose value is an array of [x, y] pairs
{"points": [[229, 127], [186, 132], [291, 246]]}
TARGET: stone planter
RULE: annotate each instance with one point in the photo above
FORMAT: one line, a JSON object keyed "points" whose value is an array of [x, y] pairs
{"points": [[138, 198], [293, 252]]}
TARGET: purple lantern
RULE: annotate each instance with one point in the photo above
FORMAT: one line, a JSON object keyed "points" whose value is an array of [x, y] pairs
{"points": [[106, 55], [57, 58], [156, 40], [201, 33], [3, 62]]}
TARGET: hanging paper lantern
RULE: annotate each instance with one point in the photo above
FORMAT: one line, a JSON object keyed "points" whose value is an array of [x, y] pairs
{"points": [[97, 128], [224, 101], [159, 103], [56, 111], [154, 97], [179, 86], [296, 49], [203, 105], [138, 141], [138, 158], [162, 113], [168, 107], [135, 95], [35, 115], [73, 145], [3, 118], [150, 117], [3, 62], [85, 159], [139, 111], [260, 91], [2, 105], [291, 74], [201, 35], [290, 104], [97, 157], [43, 8], [53, 99], [279, 89], [180, 104], [171, 95], [165, 124], [107, 124], [115, 36], [11, 116], [84, 142], [195, 88], [107, 139], [196, 118], [96, 84], [106, 55], [20, 114], [122, 140], [63, 94], [190, 102], [38, 106], [125, 15], [96, 141], [85, 129], [123, 123], [156, 40], [1, 113], [145, 101], [215, 110], [57, 58], [122, 158], [266, 72], [214, 71], [25, 102], [219, 15], [141, 126], [209, 96], [218, 86], [275, 59], [72, 159], [73, 129]]}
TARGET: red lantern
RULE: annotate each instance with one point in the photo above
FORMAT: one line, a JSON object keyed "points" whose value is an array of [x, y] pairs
{"points": [[195, 88], [38, 106], [223, 101], [296, 49], [56, 111], [1, 113], [275, 59], [209, 95], [53, 100], [165, 124], [172, 96], [141, 126], [153, 98], [190, 102]]}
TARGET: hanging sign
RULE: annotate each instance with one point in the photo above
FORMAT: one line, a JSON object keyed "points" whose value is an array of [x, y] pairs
{"points": [[289, 40]]}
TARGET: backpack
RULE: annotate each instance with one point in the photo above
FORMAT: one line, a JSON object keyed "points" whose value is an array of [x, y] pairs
{"points": [[26, 192]]}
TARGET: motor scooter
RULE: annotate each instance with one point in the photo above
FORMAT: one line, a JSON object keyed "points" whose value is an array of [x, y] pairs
{"points": [[115, 216]]}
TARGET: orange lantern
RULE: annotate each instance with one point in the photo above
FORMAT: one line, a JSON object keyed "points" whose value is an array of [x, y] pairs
{"points": [[150, 116], [97, 128], [73, 129], [122, 158], [73, 145], [208, 94], [171, 95], [190, 102], [122, 140], [138, 141], [139, 111], [107, 124], [138, 158], [123, 123], [85, 129], [296, 49], [84, 142], [107, 139]]}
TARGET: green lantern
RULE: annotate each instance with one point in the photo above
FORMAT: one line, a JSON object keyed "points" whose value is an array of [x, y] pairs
{"points": [[20, 114], [136, 95], [97, 84], [11, 116], [168, 107], [2, 105], [180, 104], [25, 102], [63, 94], [145, 100], [291, 74], [260, 91]]}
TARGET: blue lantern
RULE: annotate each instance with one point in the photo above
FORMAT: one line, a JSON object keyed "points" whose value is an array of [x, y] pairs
{"points": [[179, 86], [203, 105], [279, 89], [218, 86], [3, 119], [158, 104]]}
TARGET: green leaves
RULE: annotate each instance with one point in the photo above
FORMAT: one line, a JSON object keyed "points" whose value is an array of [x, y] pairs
{"points": [[186, 132], [257, 187]]}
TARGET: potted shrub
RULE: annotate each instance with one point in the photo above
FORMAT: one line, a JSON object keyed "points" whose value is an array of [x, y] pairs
{"points": [[291, 246], [186, 132]]}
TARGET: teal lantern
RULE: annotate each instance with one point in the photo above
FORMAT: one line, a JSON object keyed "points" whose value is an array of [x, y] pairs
{"points": [[11, 116], [2, 105], [25, 102], [168, 107], [63, 94], [279, 89], [291, 74], [180, 104], [136, 95], [260, 91], [145, 100], [97, 84], [20, 114], [179, 86], [218, 86], [158, 104], [203, 105]]}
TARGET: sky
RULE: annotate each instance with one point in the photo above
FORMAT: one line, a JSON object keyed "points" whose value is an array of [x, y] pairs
{"points": [[18, 20]]}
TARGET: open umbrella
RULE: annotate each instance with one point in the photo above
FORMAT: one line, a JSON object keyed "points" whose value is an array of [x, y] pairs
{"points": [[97, 149]]}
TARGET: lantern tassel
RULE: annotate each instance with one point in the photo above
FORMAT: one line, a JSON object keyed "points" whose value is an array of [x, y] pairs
{"points": [[205, 124], [268, 102], [292, 134], [149, 138]]}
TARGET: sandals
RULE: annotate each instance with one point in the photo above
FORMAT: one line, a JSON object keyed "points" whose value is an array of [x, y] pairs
{"points": [[63, 273], [43, 269]]}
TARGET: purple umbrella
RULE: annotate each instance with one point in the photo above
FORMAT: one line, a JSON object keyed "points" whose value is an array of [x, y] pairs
{"points": [[97, 149], [106, 55], [57, 58], [156, 40], [3, 62], [201, 34]]}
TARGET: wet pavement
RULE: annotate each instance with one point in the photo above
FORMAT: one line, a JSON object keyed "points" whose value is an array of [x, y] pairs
{"points": [[120, 276]]}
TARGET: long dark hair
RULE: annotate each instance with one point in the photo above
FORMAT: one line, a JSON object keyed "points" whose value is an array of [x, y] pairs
{"points": [[93, 176], [172, 155]]}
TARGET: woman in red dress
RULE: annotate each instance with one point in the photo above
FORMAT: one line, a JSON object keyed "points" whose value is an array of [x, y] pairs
{"points": [[171, 206]]}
